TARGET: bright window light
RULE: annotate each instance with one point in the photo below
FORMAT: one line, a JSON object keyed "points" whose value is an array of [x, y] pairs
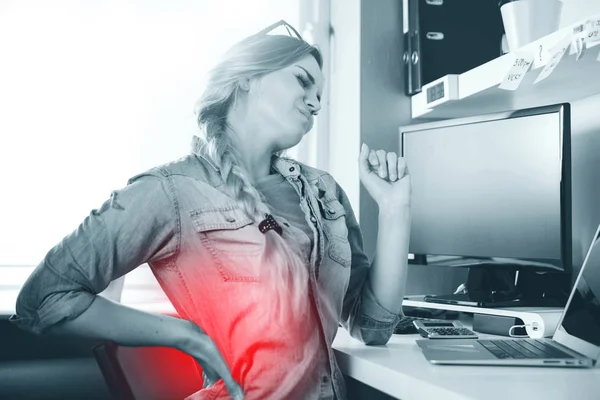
{"points": [[94, 92]]}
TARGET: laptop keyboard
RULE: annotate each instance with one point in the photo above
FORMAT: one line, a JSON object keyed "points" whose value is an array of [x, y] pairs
{"points": [[522, 348]]}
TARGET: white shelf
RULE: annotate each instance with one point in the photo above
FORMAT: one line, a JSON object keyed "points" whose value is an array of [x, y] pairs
{"points": [[476, 91]]}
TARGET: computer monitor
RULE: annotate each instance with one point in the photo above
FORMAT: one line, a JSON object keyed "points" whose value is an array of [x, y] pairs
{"points": [[492, 190]]}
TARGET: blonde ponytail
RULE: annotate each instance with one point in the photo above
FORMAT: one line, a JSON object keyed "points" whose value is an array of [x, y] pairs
{"points": [[283, 268]]}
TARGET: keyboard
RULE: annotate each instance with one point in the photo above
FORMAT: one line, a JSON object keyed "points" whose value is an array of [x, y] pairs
{"points": [[522, 348], [451, 331]]}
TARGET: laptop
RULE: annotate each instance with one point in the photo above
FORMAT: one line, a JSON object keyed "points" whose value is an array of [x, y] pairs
{"points": [[575, 343]]}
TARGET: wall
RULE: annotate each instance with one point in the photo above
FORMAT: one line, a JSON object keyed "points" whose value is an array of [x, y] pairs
{"points": [[383, 105], [574, 10], [344, 99], [368, 105], [367, 99]]}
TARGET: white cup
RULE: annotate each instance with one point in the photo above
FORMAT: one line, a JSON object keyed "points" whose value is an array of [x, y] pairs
{"points": [[528, 20]]}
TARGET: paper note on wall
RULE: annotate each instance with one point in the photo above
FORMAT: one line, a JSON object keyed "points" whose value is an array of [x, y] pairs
{"points": [[556, 54], [578, 40], [578, 44], [517, 72], [592, 30]]}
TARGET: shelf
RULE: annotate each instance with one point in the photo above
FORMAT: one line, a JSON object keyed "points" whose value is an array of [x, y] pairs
{"points": [[476, 91]]}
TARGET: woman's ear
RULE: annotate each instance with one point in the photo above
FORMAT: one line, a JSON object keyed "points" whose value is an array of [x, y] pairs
{"points": [[244, 84]]}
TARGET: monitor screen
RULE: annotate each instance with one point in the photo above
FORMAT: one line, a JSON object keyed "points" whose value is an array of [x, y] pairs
{"points": [[492, 187]]}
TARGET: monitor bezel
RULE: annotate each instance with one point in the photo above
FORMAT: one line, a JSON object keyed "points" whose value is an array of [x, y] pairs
{"points": [[564, 112]]}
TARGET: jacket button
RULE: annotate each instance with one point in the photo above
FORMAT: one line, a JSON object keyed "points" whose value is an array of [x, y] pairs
{"points": [[313, 219], [331, 211], [230, 219]]}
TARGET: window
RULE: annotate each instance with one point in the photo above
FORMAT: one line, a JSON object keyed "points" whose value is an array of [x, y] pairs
{"points": [[94, 92]]}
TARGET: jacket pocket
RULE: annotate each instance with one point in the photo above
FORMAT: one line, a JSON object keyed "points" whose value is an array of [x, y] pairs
{"points": [[233, 241], [336, 230], [334, 218]]}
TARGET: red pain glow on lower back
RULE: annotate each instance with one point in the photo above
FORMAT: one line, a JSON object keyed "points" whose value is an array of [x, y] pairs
{"points": [[264, 356]]}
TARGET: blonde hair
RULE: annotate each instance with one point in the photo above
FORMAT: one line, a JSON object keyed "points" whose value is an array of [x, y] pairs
{"points": [[253, 57]]}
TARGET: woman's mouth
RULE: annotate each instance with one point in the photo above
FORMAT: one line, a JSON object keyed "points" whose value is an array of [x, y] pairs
{"points": [[306, 114]]}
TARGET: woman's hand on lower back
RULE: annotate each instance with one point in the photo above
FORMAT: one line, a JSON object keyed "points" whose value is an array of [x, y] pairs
{"points": [[197, 344]]}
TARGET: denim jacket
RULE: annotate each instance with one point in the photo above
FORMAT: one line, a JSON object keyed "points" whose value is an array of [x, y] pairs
{"points": [[176, 218]]}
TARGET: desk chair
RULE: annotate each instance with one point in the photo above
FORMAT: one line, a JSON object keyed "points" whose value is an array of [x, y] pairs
{"points": [[148, 373]]}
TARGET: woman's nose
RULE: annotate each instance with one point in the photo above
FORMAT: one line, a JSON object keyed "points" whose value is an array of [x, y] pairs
{"points": [[313, 104]]}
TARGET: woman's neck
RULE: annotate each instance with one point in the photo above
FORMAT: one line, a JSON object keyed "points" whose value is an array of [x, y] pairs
{"points": [[255, 154], [258, 166]]}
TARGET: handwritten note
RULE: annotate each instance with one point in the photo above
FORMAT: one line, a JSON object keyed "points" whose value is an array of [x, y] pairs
{"points": [[578, 44], [556, 54], [517, 72], [578, 40], [592, 30]]}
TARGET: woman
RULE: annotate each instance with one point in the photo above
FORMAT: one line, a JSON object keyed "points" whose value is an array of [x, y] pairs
{"points": [[261, 256]]}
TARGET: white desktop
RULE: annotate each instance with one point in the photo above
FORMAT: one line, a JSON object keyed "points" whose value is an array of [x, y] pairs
{"points": [[400, 370]]}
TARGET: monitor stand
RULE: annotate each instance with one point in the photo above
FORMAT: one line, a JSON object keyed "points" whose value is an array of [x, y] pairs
{"points": [[466, 300], [499, 288]]}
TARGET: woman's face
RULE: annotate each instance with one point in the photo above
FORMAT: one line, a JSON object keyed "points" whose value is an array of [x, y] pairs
{"points": [[283, 102]]}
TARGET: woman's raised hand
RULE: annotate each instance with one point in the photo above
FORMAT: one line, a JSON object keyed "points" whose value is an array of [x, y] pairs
{"points": [[385, 176]]}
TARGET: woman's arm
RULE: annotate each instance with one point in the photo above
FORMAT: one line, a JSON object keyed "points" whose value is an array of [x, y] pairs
{"points": [[107, 320], [373, 302], [387, 274], [367, 314], [385, 176], [137, 224]]}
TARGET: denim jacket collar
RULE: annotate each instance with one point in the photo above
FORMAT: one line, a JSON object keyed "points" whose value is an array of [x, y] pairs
{"points": [[208, 161], [285, 166]]}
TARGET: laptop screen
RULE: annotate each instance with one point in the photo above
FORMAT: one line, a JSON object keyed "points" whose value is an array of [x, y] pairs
{"points": [[582, 318]]}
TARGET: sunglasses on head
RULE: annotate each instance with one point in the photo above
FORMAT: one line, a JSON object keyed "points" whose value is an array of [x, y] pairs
{"points": [[290, 29]]}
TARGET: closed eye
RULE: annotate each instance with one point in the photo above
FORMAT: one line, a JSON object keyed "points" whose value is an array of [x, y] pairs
{"points": [[303, 81]]}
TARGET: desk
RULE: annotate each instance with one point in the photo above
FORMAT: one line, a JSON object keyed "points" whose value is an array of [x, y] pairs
{"points": [[400, 370]]}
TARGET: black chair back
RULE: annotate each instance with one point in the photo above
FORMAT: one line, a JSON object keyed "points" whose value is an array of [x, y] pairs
{"points": [[148, 373]]}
